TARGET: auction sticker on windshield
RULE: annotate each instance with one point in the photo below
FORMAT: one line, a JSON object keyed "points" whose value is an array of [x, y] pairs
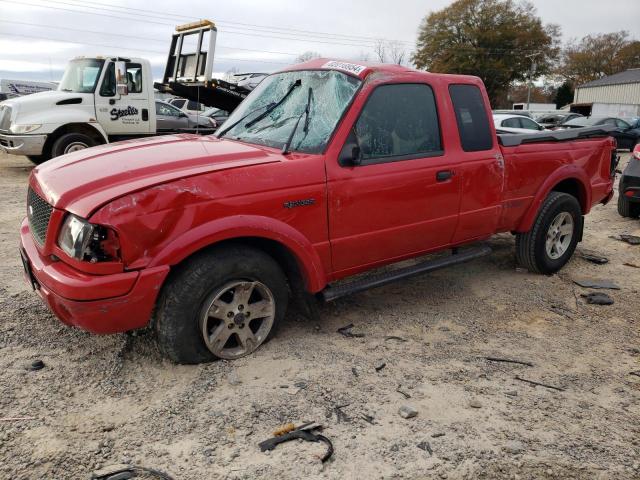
{"points": [[347, 67]]}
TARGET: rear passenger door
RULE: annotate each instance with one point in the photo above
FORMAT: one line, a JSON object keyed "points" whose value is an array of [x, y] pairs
{"points": [[402, 198], [480, 164]]}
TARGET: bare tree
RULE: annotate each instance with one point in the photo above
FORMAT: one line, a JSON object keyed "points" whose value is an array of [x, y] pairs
{"points": [[306, 56], [380, 50], [397, 53]]}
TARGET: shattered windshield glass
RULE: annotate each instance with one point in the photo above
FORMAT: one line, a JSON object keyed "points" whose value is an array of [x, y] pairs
{"points": [[284, 98]]}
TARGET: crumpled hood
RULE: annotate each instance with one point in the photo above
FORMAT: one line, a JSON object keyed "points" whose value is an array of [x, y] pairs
{"points": [[83, 181]]}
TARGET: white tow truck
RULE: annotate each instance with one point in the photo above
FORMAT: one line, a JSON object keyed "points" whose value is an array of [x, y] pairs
{"points": [[105, 99]]}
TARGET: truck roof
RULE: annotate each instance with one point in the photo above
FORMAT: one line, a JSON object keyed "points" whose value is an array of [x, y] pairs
{"points": [[363, 69]]}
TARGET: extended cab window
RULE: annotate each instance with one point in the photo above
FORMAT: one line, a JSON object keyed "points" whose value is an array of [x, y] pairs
{"points": [[399, 122], [472, 118]]}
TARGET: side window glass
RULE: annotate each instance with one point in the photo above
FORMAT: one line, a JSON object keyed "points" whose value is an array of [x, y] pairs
{"points": [[134, 77], [108, 88], [511, 123], [471, 116], [178, 103], [528, 124], [399, 121]]}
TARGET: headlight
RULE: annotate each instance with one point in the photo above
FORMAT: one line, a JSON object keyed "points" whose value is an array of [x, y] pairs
{"points": [[85, 241], [20, 129]]}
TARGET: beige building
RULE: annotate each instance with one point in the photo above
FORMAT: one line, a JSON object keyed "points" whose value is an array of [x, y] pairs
{"points": [[617, 95]]}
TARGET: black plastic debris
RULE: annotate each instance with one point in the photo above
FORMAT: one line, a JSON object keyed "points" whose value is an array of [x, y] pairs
{"points": [[594, 257], [426, 446], [380, 367], [126, 472], [346, 332], [36, 365], [598, 298], [630, 239], [304, 432], [600, 284]]}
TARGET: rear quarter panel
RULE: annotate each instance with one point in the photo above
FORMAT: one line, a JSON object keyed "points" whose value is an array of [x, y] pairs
{"points": [[533, 170]]}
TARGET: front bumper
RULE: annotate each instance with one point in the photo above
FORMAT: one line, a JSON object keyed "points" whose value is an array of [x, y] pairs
{"points": [[98, 303], [22, 144]]}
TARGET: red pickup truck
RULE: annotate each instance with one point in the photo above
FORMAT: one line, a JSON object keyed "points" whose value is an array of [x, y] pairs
{"points": [[328, 169]]}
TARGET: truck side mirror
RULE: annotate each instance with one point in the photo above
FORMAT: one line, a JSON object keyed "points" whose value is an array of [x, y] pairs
{"points": [[122, 86], [350, 155]]}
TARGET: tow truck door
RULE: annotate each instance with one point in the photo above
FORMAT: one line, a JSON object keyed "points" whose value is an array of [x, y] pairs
{"points": [[125, 111]]}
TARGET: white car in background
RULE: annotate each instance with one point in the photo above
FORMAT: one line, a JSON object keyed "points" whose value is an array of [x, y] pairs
{"points": [[188, 106], [510, 123]]}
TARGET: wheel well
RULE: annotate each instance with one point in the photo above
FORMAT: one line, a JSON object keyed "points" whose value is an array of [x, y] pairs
{"points": [[574, 188], [84, 128], [280, 253]]}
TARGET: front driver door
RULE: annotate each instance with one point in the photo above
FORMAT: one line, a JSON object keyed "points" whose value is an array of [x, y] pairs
{"points": [[402, 199]]}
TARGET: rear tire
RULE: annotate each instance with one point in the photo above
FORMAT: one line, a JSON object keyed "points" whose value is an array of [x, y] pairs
{"points": [[626, 208], [210, 279], [71, 142], [550, 243]]}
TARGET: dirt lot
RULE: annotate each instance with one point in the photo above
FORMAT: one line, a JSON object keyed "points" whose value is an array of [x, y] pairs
{"points": [[113, 399]]}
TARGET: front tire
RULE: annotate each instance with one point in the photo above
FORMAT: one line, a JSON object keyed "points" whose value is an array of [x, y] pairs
{"points": [[221, 303], [71, 142], [550, 243]]}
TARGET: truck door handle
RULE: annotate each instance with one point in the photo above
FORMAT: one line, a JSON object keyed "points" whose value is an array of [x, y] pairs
{"points": [[444, 175], [145, 115], [112, 101]]}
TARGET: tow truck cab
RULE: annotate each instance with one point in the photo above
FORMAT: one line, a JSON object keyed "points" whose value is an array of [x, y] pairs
{"points": [[98, 100]]}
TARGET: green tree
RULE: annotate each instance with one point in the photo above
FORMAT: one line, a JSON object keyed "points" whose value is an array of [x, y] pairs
{"points": [[564, 95], [596, 56], [498, 40]]}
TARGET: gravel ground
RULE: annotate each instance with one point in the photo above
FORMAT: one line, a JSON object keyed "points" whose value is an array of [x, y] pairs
{"points": [[102, 400]]}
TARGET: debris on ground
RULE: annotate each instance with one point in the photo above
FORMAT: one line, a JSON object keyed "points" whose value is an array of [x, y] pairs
{"points": [[426, 446], [629, 264], [600, 284], [395, 337], [341, 417], [437, 435], [637, 374], [125, 472], [509, 360], [303, 432], [593, 257], [289, 427], [16, 419], [369, 419], [346, 332], [630, 239], [538, 384], [407, 411], [404, 394], [514, 447], [36, 365], [380, 367], [597, 298], [475, 404]]}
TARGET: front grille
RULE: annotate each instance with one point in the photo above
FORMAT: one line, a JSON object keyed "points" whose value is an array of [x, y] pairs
{"points": [[39, 214], [5, 117]]}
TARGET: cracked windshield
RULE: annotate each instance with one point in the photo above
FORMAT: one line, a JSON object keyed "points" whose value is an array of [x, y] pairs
{"points": [[295, 109]]}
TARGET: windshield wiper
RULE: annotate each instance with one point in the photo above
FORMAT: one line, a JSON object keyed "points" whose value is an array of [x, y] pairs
{"points": [[295, 84], [244, 117], [305, 129]]}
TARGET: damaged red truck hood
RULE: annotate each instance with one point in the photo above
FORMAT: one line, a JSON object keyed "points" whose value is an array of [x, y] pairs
{"points": [[83, 181]]}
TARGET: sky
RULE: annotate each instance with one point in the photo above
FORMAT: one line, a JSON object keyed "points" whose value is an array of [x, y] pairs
{"points": [[38, 37]]}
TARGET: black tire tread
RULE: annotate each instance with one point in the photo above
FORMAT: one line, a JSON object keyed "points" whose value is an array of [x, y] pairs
{"points": [[626, 208], [526, 242], [174, 333]]}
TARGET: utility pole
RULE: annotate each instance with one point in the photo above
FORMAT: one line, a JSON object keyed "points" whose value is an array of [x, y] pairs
{"points": [[530, 84]]}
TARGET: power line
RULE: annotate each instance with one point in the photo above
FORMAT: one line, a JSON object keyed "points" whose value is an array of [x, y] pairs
{"points": [[147, 21], [13, 22], [172, 15], [129, 48]]}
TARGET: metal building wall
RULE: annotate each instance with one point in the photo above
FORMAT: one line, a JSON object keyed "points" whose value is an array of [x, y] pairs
{"points": [[626, 94]]}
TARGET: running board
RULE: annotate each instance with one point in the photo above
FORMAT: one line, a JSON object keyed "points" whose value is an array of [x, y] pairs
{"points": [[331, 293]]}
